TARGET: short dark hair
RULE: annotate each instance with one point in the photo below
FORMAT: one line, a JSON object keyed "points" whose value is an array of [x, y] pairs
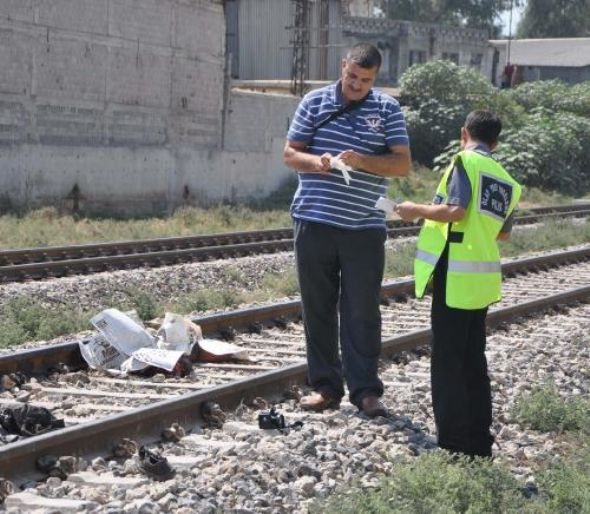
{"points": [[484, 126], [365, 55]]}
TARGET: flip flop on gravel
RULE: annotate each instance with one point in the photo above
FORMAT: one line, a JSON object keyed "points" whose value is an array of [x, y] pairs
{"points": [[125, 449], [154, 466], [6, 489]]}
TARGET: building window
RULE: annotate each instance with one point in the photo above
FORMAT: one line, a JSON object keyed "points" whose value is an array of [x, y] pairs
{"points": [[476, 60], [417, 56], [451, 56]]}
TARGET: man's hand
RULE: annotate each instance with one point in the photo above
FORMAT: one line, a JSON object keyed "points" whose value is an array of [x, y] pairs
{"points": [[323, 163], [296, 156], [408, 211], [351, 158]]}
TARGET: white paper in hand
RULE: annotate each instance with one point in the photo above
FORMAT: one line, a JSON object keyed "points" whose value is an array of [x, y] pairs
{"points": [[340, 165], [385, 204]]}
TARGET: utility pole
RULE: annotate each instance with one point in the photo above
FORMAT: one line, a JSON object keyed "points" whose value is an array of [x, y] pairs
{"points": [[509, 33], [300, 42]]}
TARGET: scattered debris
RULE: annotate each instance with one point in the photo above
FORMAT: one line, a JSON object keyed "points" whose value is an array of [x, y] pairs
{"points": [[212, 415], [174, 434], [123, 345], [6, 489], [28, 420], [49, 464], [259, 403], [154, 466], [125, 449]]}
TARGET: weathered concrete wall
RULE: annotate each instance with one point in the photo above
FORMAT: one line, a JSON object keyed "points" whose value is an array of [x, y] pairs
{"points": [[111, 72], [124, 98], [145, 179]]}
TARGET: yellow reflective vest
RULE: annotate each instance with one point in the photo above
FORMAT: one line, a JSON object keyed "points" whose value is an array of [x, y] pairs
{"points": [[474, 274]]}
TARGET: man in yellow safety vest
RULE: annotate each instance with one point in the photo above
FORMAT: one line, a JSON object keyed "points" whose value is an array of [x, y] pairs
{"points": [[457, 248]]}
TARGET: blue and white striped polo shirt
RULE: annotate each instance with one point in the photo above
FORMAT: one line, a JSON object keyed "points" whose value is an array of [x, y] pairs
{"points": [[370, 129]]}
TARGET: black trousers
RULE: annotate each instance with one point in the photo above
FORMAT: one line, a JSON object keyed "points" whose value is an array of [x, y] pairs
{"points": [[461, 394], [340, 273]]}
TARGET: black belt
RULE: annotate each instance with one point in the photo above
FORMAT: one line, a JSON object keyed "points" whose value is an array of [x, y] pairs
{"points": [[455, 237]]}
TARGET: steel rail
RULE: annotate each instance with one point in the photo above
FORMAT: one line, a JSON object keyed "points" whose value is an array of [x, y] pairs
{"points": [[39, 360], [39, 263], [147, 422]]}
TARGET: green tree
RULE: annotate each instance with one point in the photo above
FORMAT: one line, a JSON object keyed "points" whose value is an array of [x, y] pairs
{"points": [[469, 13], [555, 18]]}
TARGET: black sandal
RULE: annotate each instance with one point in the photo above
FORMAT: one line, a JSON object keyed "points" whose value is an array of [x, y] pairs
{"points": [[155, 466]]}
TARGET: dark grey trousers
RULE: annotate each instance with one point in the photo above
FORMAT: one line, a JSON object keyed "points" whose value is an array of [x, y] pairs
{"points": [[461, 393], [340, 273]]}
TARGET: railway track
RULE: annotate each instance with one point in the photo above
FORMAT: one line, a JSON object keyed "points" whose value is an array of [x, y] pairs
{"points": [[57, 261], [99, 410]]}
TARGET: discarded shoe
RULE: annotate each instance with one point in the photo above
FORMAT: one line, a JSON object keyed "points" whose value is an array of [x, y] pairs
{"points": [[373, 407], [6, 489], [154, 466], [28, 420], [318, 402], [294, 393], [259, 403], [50, 465], [212, 414], [174, 434], [125, 449]]}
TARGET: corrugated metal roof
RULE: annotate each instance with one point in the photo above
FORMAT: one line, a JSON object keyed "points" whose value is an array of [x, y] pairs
{"points": [[565, 52]]}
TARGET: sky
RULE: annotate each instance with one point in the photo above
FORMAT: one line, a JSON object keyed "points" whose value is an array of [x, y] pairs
{"points": [[505, 17]]}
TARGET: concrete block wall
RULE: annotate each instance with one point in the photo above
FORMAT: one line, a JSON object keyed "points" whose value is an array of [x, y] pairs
{"points": [[123, 100], [111, 72]]}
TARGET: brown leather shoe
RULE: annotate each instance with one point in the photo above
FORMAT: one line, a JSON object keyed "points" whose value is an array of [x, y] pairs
{"points": [[373, 407], [318, 402]]}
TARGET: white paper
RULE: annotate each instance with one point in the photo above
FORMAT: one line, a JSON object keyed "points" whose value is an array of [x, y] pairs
{"points": [[386, 205], [174, 334], [221, 348], [165, 359], [122, 332], [100, 354], [338, 164]]}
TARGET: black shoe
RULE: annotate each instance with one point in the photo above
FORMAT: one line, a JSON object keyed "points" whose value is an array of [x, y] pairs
{"points": [[373, 407], [6, 489], [154, 466]]}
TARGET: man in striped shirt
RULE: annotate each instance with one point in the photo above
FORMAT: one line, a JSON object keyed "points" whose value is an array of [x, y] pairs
{"points": [[339, 235]]}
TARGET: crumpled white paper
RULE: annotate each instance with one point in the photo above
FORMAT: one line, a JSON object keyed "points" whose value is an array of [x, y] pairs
{"points": [[124, 345], [388, 206], [339, 164], [178, 333]]}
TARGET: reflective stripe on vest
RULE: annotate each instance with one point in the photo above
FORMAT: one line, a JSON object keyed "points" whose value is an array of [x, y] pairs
{"points": [[461, 266], [429, 258], [474, 267]]}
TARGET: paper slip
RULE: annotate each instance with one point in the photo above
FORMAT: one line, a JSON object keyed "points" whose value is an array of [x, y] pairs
{"points": [[386, 205], [337, 164]]}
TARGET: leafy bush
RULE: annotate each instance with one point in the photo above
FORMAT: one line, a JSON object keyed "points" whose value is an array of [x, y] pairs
{"points": [[565, 487], [438, 96], [549, 150], [446, 82], [435, 483], [555, 95], [544, 410], [144, 303], [24, 319]]}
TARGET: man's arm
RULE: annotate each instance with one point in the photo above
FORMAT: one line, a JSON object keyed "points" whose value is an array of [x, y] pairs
{"points": [[445, 213], [295, 156], [396, 163]]}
